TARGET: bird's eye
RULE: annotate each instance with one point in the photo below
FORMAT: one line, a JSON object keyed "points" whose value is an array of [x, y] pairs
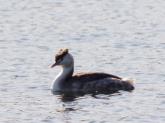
{"points": [[60, 59]]}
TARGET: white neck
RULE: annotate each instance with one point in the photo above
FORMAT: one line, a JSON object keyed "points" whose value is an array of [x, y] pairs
{"points": [[65, 73]]}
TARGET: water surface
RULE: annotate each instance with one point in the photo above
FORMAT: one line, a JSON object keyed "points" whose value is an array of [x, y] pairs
{"points": [[122, 37]]}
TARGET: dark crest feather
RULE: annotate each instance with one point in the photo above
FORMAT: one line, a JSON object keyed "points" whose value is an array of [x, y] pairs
{"points": [[61, 53]]}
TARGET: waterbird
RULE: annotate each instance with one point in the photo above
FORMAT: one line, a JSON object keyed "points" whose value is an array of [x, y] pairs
{"points": [[94, 82]]}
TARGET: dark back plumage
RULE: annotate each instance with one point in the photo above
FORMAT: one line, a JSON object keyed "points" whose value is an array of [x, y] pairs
{"points": [[92, 76], [97, 82]]}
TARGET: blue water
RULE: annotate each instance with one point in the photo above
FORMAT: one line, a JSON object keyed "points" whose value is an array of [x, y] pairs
{"points": [[122, 37]]}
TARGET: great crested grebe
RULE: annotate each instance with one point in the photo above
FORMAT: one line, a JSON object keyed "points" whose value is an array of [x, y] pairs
{"points": [[65, 81]]}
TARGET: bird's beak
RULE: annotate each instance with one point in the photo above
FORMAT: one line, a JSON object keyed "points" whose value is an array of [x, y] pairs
{"points": [[53, 65]]}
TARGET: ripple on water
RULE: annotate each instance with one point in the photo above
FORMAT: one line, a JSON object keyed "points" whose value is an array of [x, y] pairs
{"points": [[128, 42]]}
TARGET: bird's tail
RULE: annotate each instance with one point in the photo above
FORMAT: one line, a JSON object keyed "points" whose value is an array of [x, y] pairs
{"points": [[130, 80], [129, 83]]}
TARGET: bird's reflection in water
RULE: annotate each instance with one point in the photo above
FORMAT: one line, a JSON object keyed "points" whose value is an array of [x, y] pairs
{"points": [[68, 96], [70, 102], [72, 96]]}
